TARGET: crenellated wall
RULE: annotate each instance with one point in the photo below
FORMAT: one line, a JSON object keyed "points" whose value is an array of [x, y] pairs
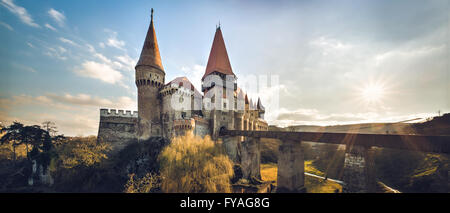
{"points": [[117, 127]]}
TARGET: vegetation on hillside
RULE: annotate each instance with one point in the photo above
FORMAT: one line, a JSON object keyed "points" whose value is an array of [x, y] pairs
{"points": [[82, 165], [409, 171], [194, 164], [22, 145], [191, 164], [436, 126], [149, 183]]}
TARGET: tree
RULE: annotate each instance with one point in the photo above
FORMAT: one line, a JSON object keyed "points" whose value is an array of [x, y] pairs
{"points": [[39, 139], [13, 135], [50, 127]]}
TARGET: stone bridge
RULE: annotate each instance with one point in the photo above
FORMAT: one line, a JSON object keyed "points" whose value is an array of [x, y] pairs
{"points": [[358, 175]]}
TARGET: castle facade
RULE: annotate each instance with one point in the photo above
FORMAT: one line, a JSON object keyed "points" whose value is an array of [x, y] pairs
{"points": [[168, 109]]}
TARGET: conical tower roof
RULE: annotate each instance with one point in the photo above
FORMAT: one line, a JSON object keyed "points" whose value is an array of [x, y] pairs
{"points": [[150, 51], [259, 105], [218, 57]]}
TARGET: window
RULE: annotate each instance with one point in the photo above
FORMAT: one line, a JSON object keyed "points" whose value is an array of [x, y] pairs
{"points": [[224, 105], [183, 115]]}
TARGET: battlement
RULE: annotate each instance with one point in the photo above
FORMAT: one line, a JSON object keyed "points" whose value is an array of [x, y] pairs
{"points": [[118, 113]]}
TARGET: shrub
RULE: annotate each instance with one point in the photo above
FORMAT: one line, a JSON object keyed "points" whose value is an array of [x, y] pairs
{"points": [[83, 151], [149, 183], [194, 164]]}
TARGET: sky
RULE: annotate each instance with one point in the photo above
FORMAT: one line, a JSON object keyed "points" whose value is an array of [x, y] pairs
{"points": [[330, 62]]}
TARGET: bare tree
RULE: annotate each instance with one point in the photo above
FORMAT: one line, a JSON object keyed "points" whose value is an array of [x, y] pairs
{"points": [[50, 127]]}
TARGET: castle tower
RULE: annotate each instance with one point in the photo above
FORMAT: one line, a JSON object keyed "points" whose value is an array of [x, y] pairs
{"points": [[219, 84], [261, 109], [149, 79]]}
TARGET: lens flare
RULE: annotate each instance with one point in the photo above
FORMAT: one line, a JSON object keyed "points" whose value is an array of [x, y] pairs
{"points": [[373, 93]]}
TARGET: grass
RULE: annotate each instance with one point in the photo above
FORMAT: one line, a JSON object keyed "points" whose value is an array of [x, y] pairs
{"points": [[312, 184], [311, 169], [269, 172]]}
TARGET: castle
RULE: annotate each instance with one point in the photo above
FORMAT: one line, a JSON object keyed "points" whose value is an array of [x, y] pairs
{"points": [[170, 109]]}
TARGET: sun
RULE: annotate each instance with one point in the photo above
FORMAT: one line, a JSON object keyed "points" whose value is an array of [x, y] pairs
{"points": [[373, 93]]}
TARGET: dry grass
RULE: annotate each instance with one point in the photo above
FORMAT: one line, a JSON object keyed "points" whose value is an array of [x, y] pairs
{"points": [[311, 169], [194, 164], [312, 184]]}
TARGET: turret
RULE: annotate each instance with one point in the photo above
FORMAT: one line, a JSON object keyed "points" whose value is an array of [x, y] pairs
{"points": [[219, 86], [149, 79], [261, 109], [219, 65]]}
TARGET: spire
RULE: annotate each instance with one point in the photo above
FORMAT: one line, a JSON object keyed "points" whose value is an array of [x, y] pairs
{"points": [[150, 52], [259, 105], [218, 57]]}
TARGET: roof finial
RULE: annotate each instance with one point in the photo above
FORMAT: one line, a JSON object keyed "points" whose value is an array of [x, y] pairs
{"points": [[152, 14], [218, 26]]}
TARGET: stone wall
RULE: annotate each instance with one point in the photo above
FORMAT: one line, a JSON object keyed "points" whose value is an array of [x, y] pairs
{"points": [[251, 158], [291, 167], [117, 127], [232, 148], [149, 80], [358, 174], [201, 128]]}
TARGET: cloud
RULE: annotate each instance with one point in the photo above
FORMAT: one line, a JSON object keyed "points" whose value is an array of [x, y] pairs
{"points": [[47, 25], [194, 74], [304, 116], [122, 102], [129, 62], [27, 68], [56, 52], [7, 26], [67, 41], [20, 12], [74, 114], [90, 48], [112, 41], [122, 62], [67, 101], [327, 45], [100, 71], [23, 67], [62, 49], [57, 16]]}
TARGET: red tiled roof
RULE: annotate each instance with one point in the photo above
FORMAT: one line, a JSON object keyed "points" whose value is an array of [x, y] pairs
{"points": [[150, 51], [184, 82], [218, 57]]}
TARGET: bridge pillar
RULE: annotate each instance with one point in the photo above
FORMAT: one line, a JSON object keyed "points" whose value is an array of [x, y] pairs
{"points": [[251, 158], [291, 167], [359, 170], [230, 144]]}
